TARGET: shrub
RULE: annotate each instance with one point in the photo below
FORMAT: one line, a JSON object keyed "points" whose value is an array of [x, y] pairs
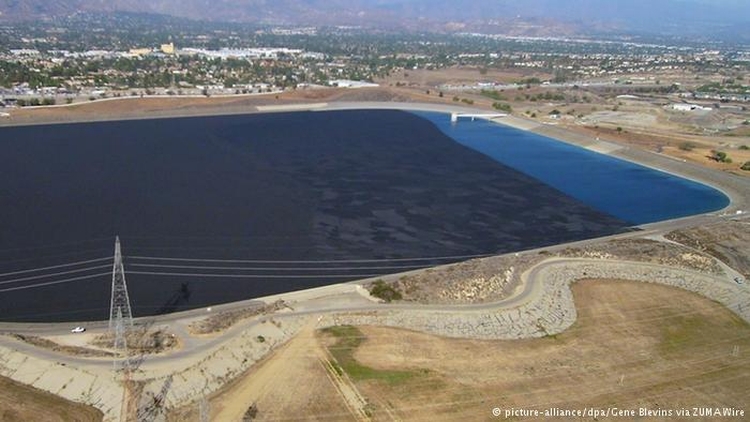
{"points": [[721, 156], [746, 166], [502, 107], [491, 93], [687, 146], [382, 290]]}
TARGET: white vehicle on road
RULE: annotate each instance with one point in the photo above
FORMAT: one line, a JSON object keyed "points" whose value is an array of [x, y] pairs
{"points": [[78, 330]]}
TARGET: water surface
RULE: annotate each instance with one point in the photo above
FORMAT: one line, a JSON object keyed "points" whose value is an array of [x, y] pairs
{"points": [[225, 208], [623, 189]]}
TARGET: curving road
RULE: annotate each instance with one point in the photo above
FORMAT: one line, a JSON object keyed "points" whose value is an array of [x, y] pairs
{"points": [[532, 282]]}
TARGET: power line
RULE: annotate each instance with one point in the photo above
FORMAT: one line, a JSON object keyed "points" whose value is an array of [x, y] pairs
{"points": [[36, 277], [436, 258], [69, 255], [50, 283], [200, 267], [53, 245], [72, 264], [256, 275]]}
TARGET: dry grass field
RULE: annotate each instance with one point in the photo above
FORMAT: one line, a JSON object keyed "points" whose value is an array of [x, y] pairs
{"points": [[634, 345], [291, 384], [19, 402]]}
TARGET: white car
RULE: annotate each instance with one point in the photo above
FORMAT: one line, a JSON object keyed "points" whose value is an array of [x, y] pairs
{"points": [[78, 330]]}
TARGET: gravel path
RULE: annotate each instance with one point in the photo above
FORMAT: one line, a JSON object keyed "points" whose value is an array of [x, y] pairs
{"points": [[546, 306]]}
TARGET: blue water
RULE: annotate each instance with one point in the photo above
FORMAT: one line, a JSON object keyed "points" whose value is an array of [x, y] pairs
{"points": [[626, 190]]}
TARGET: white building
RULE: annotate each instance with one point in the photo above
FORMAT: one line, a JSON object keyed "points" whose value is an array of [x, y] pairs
{"points": [[346, 83], [689, 107]]}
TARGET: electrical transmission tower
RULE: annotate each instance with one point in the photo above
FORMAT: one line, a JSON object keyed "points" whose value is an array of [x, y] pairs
{"points": [[205, 409], [120, 322], [119, 307], [120, 317]]}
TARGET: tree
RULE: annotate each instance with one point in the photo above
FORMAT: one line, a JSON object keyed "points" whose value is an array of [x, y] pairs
{"points": [[382, 290], [720, 156], [746, 166], [502, 107]]}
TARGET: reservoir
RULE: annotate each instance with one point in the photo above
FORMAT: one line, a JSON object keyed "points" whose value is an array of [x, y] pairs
{"points": [[626, 190], [225, 208]]}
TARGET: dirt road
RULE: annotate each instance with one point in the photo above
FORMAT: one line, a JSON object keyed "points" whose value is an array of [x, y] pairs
{"points": [[293, 384]]}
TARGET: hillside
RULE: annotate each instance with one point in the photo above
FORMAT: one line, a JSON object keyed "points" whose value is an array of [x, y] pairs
{"points": [[674, 17]]}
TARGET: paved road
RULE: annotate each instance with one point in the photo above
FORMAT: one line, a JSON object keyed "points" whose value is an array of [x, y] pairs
{"points": [[195, 346]]}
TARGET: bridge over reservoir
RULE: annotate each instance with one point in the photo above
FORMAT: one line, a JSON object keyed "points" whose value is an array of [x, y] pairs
{"points": [[474, 116]]}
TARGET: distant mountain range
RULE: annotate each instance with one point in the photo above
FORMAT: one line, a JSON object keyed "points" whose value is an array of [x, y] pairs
{"points": [[673, 17]]}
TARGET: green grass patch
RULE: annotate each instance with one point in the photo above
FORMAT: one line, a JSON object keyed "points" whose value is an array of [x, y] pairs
{"points": [[491, 93], [682, 333], [348, 339]]}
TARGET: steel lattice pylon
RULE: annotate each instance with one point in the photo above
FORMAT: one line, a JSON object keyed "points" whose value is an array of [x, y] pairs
{"points": [[205, 409], [122, 359], [119, 307]]}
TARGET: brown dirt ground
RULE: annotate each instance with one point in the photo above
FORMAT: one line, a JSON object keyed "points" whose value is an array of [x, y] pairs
{"points": [[634, 345], [647, 250], [19, 402], [292, 384], [457, 76], [187, 106], [669, 144], [728, 241], [60, 348], [496, 278], [220, 321]]}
